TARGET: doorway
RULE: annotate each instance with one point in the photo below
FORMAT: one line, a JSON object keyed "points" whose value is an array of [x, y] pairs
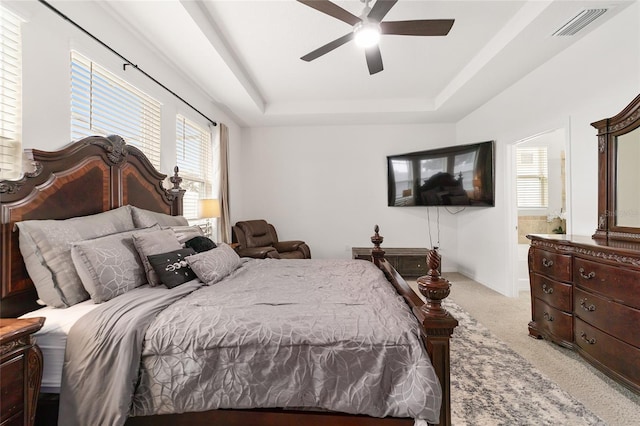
{"points": [[539, 197]]}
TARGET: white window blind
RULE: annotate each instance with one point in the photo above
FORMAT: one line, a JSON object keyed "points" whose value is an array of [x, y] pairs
{"points": [[532, 177], [195, 162], [10, 97], [104, 104]]}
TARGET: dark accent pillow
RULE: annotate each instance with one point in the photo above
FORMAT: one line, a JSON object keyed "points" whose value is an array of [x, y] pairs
{"points": [[172, 268], [200, 244]]}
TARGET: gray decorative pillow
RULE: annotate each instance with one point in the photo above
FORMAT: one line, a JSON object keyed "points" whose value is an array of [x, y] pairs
{"points": [[144, 218], [213, 265], [109, 266], [156, 242], [46, 249], [185, 233]]}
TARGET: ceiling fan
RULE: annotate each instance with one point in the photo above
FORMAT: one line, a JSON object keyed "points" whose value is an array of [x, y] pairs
{"points": [[368, 27]]}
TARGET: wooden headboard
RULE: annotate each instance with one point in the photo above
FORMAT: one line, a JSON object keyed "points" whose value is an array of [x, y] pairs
{"points": [[89, 176]]}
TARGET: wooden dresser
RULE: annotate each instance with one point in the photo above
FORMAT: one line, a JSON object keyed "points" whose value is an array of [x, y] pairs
{"points": [[20, 371], [585, 295]]}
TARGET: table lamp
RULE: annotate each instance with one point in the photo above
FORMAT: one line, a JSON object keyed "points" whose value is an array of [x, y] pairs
{"points": [[209, 208]]}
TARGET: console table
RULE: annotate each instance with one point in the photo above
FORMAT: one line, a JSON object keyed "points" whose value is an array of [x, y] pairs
{"points": [[585, 295], [409, 262]]}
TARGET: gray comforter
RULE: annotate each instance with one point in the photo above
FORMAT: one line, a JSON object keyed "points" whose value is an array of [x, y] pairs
{"points": [[327, 334]]}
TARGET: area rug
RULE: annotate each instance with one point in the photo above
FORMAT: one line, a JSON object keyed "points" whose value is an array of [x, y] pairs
{"points": [[493, 385]]}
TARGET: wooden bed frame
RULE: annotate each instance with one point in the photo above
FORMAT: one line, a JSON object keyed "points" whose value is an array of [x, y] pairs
{"points": [[97, 174]]}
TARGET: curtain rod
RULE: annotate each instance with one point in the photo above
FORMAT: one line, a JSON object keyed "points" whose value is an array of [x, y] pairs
{"points": [[127, 62]]}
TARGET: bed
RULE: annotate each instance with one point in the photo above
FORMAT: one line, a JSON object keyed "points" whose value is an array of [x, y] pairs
{"points": [[98, 174]]}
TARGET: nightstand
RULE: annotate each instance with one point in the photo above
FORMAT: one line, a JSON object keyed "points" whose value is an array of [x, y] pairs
{"points": [[20, 370]]}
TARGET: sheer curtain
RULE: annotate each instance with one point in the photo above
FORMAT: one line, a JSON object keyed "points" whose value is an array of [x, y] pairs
{"points": [[225, 219]]}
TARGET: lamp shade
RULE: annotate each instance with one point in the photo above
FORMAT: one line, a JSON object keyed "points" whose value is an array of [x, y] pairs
{"points": [[209, 207]]}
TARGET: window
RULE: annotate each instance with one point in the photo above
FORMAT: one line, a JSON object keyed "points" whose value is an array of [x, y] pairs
{"points": [[463, 167], [431, 166], [104, 104], [10, 96], [532, 177], [403, 178], [195, 162]]}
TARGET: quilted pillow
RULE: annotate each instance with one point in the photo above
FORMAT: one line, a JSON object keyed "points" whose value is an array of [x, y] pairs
{"points": [[156, 242], [109, 266], [172, 268], [144, 218], [213, 265], [46, 249]]}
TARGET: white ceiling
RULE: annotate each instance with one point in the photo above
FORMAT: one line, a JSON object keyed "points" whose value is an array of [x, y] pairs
{"points": [[245, 55]]}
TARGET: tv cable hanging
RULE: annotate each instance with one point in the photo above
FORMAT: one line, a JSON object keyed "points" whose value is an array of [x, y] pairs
{"points": [[437, 228]]}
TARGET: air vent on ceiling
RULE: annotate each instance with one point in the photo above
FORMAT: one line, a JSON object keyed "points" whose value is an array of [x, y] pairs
{"points": [[578, 22]]}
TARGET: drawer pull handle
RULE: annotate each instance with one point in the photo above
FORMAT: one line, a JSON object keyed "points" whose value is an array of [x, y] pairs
{"points": [[588, 276], [591, 341], [547, 316], [590, 308], [546, 262], [547, 290]]}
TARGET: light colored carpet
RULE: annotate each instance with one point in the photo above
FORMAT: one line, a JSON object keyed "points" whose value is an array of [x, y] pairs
{"points": [[507, 319]]}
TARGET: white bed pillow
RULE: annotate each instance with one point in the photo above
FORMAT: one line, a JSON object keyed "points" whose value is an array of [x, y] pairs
{"points": [[151, 243], [213, 265], [109, 266], [46, 249]]}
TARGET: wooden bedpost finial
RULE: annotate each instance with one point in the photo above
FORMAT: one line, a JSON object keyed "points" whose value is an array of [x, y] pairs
{"points": [[433, 287], [377, 254], [175, 180]]}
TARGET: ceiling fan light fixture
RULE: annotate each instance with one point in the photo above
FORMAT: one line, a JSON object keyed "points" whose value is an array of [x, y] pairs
{"points": [[366, 34]]}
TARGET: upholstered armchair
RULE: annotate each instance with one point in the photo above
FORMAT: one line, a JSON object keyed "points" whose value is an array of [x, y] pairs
{"points": [[258, 239]]}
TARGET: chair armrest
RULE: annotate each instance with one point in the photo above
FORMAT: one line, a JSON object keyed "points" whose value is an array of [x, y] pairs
{"points": [[283, 246], [294, 245], [258, 252]]}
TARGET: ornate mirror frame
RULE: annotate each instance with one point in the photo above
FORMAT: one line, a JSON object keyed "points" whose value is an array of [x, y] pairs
{"points": [[609, 129]]}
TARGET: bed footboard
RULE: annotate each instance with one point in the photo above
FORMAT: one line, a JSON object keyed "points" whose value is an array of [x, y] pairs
{"points": [[437, 323]]}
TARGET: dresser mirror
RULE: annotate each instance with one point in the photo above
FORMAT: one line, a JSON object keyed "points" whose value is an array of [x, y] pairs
{"points": [[627, 190], [619, 175]]}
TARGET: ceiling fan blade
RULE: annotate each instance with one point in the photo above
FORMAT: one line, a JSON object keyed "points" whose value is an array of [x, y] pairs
{"points": [[332, 9], [327, 47], [424, 27], [374, 59], [380, 9]]}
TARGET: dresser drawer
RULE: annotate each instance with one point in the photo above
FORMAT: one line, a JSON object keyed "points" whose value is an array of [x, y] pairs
{"points": [[553, 322], [622, 359], [554, 293], [622, 285], [618, 320], [553, 265]]}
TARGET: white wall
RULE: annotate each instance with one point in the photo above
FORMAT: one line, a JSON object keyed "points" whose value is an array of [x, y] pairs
{"points": [[593, 79], [327, 185], [47, 41]]}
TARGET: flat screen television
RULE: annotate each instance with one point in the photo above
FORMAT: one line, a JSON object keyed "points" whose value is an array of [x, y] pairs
{"points": [[461, 175]]}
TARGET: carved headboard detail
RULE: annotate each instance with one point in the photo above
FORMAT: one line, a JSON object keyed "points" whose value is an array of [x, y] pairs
{"points": [[89, 176]]}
